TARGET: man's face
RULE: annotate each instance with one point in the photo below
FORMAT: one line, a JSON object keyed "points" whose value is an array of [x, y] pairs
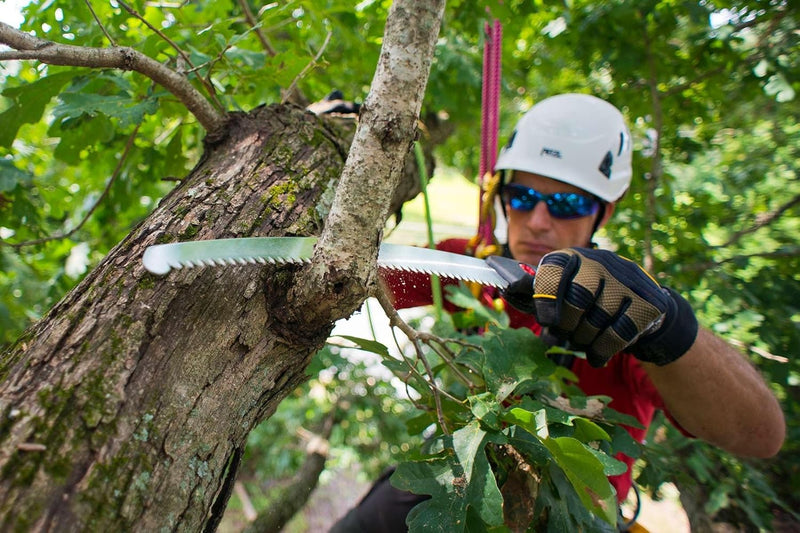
{"points": [[535, 233]]}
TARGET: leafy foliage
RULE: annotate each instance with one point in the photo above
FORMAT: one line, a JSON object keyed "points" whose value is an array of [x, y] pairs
{"points": [[483, 394]]}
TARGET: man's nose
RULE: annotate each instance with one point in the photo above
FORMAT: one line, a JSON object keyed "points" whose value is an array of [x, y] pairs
{"points": [[539, 217]]}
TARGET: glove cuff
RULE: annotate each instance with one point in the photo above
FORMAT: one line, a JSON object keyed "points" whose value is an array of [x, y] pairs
{"points": [[673, 338]]}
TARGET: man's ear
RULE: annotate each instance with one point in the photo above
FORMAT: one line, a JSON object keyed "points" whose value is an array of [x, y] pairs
{"points": [[607, 213]]}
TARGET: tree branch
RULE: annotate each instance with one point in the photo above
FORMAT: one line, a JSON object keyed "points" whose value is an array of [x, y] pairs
{"points": [[657, 169], [346, 253], [759, 351], [28, 47], [762, 220], [413, 336]]}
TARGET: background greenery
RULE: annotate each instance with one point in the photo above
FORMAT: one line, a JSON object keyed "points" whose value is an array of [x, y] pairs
{"points": [[708, 87]]}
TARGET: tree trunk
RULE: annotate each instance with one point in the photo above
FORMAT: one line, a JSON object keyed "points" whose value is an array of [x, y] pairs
{"points": [[128, 406], [130, 403]]}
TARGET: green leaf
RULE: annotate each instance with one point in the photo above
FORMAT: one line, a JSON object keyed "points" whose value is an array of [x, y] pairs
{"points": [[121, 106], [554, 415], [458, 479], [284, 67], [586, 474], [486, 409], [611, 465], [368, 345], [565, 510], [461, 296], [530, 446], [420, 423], [30, 101], [77, 135], [174, 158], [10, 175], [534, 422], [511, 357], [621, 441], [587, 431]]}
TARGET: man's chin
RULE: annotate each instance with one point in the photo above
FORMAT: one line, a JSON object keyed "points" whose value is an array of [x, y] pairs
{"points": [[531, 259]]}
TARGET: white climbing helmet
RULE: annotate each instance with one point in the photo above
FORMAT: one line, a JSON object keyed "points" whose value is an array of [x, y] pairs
{"points": [[575, 138]]}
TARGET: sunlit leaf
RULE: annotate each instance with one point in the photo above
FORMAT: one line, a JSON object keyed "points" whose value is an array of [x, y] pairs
{"points": [[586, 474]]}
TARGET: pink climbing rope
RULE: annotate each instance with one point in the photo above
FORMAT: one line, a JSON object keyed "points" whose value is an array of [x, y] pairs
{"points": [[490, 121]]}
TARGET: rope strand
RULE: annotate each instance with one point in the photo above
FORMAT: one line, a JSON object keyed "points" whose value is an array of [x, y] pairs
{"points": [[484, 242]]}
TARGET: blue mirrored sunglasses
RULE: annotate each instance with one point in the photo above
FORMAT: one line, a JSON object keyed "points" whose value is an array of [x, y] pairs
{"points": [[562, 205]]}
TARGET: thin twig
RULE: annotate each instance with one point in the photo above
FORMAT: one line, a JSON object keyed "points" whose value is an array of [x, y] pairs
{"points": [[762, 220], [434, 389], [87, 216], [293, 86], [251, 19], [412, 368], [411, 371], [758, 351], [102, 27], [711, 265], [395, 320], [427, 338], [448, 356], [206, 84]]}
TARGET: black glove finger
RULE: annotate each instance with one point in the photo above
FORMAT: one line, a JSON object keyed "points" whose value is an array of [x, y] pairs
{"points": [[597, 334], [552, 284], [581, 315], [554, 337], [598, 359], [616, 334]]}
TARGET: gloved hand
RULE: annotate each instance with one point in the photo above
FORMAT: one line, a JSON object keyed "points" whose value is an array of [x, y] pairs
{"points": [[603, 304]]}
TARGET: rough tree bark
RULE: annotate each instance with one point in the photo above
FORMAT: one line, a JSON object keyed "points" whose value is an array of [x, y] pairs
{"points": [[129, 404]]}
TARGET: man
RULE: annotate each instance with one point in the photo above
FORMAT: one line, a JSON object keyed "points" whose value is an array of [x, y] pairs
{"points": [[566, 165]]}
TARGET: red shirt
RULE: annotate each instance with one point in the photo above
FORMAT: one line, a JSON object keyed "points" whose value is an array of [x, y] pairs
{"points": [[622, 378]]}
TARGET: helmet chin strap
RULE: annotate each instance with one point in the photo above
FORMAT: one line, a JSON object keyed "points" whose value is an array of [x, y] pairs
{"points": [[600, 214]]}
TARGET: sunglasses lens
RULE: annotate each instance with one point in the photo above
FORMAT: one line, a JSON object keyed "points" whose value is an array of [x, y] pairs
{"points": [[560, 205], [571, 205], [521, 198]]}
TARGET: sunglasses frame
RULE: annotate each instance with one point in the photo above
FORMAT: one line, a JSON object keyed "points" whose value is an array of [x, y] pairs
{"points": [[580, 205]]}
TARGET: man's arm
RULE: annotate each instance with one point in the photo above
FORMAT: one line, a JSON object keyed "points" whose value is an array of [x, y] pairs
{"points": [[604, 304], [716, 395]]}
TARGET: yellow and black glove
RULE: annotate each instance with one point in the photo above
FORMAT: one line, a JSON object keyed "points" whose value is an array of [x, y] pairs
{"points": [[602, 304]]}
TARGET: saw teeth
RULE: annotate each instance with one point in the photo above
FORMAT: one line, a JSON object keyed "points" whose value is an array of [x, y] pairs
{"points": [[234, 261], [428, 272]]}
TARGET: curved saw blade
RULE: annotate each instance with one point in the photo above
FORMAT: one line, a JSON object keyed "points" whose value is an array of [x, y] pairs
{"points": [[161, 258]]}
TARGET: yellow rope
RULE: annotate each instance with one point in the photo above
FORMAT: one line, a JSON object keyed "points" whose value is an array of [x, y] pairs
{"points": [[477, 246]]}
